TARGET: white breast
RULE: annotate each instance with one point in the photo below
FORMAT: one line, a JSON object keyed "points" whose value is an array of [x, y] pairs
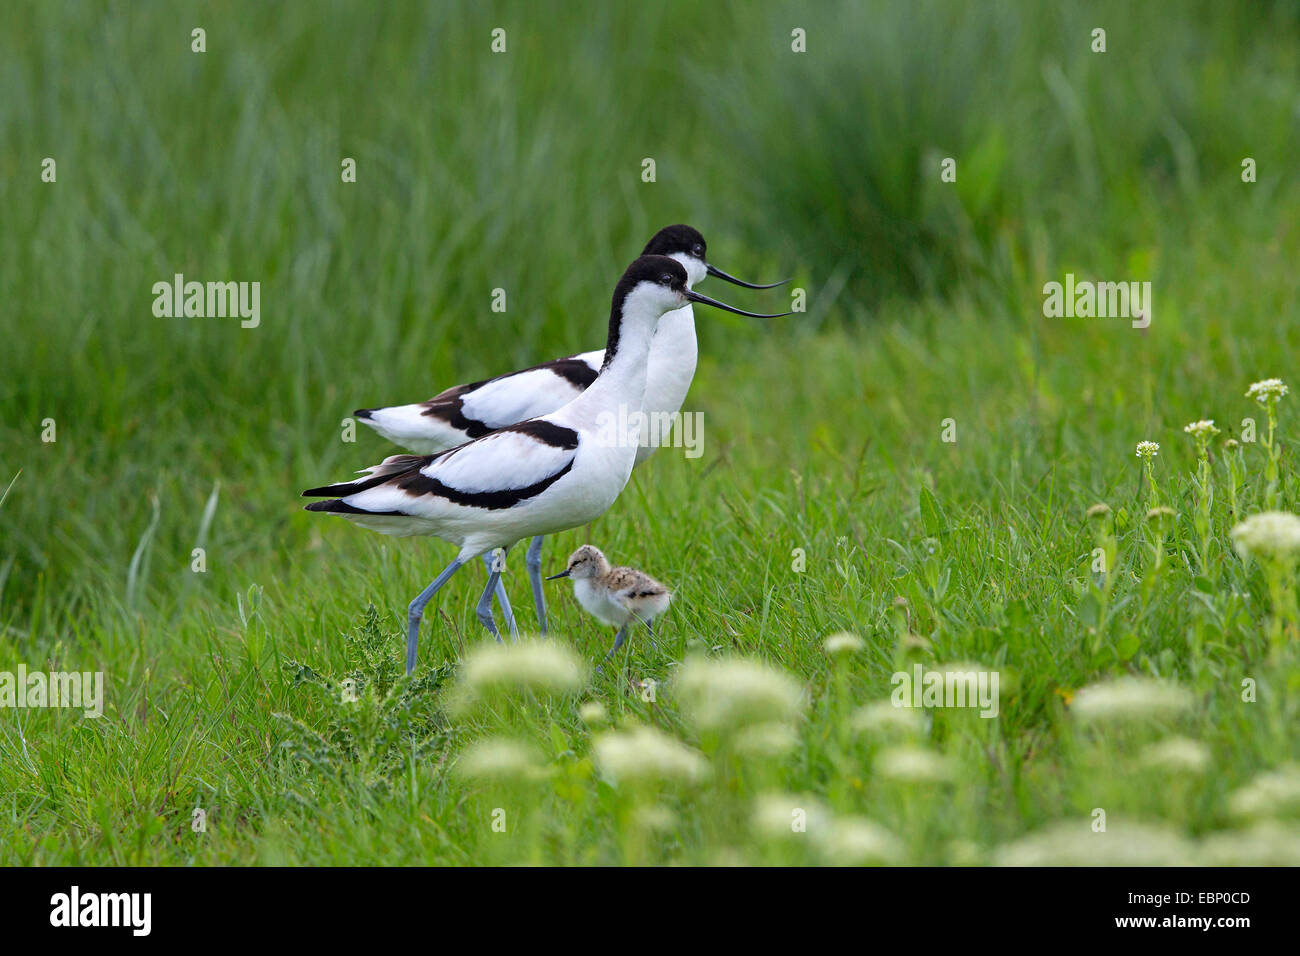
{"points": [[595, 600], [674, 353]]}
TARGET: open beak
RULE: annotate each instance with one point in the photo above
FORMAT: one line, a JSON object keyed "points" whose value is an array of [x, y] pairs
{"points": [[692, 296], [715, 271], [562, 574]]}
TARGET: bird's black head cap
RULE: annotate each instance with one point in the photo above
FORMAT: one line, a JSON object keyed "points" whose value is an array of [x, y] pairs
{"points": [[660, 270], [678, 238]]}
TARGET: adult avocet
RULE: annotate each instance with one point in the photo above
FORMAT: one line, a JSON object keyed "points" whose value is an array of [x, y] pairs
{"points": [[614, 596], [535, 477], [465, 412]]}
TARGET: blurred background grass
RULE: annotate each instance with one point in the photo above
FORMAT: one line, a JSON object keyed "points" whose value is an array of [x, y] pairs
{"points": [[522, 171]]}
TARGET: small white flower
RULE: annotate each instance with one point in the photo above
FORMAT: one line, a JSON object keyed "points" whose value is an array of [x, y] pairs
{"points": [[766, 740], [1265, 844], [883, 718], [1203, 430], [499, 759], [1272, 794], [593, 713], [843, 643], [790, 815], [1075, 843], [1266, 390], [914, 765], [857, 841], [646, 755], [1148, 449], [1176, 755], [538, 666], [724, 695], [1130, 698], [1270, 534]]}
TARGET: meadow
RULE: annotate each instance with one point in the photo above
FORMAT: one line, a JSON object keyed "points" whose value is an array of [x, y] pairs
{"points": [[921, 468]]}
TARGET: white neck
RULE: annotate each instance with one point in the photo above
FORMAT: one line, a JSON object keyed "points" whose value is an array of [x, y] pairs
{"points": [[622, 380], [674, 353]]}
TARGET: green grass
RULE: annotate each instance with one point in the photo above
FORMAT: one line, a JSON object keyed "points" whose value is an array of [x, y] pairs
{"points": [[822, 431]]}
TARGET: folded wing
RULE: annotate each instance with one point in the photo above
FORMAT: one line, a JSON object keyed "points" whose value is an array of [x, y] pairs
{"points": [[495, 472]]}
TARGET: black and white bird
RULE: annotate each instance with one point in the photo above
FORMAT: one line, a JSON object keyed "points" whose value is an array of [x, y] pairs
{"points": [[530, 478], [465, 412], [614, 596]]}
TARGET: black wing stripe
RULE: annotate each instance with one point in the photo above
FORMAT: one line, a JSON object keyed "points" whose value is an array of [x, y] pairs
{"points": [[399, 463], [452, 412], [575, 371], [450, 405], [339, 507], [421, 484], [548, 433]]}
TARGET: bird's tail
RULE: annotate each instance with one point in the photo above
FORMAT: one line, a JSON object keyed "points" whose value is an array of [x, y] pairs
{"points": [[424, 427], [375, 475]]}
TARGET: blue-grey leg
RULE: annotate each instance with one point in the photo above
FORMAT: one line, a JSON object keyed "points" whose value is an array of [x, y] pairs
{"points": [[534, 561], [619, 638], [484, 609], [650, 626], [490, 560], [416, 611]]}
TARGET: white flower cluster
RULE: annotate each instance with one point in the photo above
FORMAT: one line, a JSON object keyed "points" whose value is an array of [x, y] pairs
{"points": [[499, 759], [1269, 534], [839, 840], [1130, 698], [843, 643], [1266, 390], [1203, 430], [914, 765], [646, 756], [541, 666], [1176, 755], [726, 695], [1272, 794], [1075, 843]]}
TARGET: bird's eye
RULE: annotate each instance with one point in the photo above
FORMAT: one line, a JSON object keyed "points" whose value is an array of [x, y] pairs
{"points": [[698, 251], [666, 278]]}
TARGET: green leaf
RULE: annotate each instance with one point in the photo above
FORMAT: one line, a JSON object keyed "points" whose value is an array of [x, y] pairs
{"points": [[1019, 618], [558, 740], [932, 518], [1089, 610], [1128, 646]]}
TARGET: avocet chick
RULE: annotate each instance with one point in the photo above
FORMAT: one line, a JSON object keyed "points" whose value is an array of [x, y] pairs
{"points": [[614, 596]]}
